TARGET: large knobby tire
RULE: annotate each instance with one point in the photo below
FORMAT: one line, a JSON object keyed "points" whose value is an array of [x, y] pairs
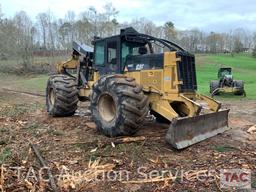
{"points": [[214, 85], [240, 85], [61, 95], [118, 105]]}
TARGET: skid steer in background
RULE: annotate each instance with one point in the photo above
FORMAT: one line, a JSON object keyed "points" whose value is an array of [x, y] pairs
{"points": [[126, 76], [226, 83]]}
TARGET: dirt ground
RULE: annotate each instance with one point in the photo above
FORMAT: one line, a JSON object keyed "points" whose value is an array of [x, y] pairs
{"points": [[81, 159]]}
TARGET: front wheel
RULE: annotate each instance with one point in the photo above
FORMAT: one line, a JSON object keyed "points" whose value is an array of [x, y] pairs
{"points": [[118, 105], [214, 86], [61, 95], [239, 84]]}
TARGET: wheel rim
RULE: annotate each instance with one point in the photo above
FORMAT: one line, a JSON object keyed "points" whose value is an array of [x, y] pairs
{"points": [[51, 97], [107, 107]]}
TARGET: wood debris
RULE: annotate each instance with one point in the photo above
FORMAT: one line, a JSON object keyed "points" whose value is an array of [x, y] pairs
{"points": [[152, 180], [128, 140], [43, 164], [112, 143], [29, 186], [94, 150], [2, 178], [73, 181], [156, 161], [252, 130]]}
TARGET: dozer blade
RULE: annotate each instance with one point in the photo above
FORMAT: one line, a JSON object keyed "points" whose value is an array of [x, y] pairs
{"points": [[187, 131]]}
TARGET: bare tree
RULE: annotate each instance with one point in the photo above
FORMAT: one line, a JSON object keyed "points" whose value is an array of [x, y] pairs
{"points": [[42, 21], [50, 24], [170, 32], [70, 25], [24, 44], [238, 46], [110, 23], [254, 51]]}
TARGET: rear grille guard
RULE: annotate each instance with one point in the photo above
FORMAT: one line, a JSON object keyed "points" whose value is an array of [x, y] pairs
{"points": [[186, 71]]}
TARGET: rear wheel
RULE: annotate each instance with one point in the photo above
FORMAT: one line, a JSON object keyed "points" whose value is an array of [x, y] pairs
{"points": [[214, 85], [118, 105], [240, 85], [61, 95]]}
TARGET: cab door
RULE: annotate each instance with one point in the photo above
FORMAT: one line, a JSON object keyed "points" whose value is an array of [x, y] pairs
{"points": [[107, 55]]}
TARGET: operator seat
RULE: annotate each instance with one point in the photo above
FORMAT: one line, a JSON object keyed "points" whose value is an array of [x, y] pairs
{"points": [[142, 50]]}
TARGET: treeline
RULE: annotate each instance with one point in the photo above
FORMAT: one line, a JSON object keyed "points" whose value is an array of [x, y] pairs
{"points": [[21, 37]]}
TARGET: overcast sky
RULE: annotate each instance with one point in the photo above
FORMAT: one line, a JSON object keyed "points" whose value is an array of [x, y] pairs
{"points": [[207, 15]]}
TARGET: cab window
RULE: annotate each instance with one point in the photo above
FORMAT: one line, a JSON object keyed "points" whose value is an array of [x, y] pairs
{"points": [[99, 53], [112, 52], [129, 49]]}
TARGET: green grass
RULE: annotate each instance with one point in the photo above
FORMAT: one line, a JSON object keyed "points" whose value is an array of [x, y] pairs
{"points": [[36, 83], [3, 130], [31, 83], [6, 153], [11, 74], [244, 68], [56, 132], [33, 126], [18, 109], [224, 148]]}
